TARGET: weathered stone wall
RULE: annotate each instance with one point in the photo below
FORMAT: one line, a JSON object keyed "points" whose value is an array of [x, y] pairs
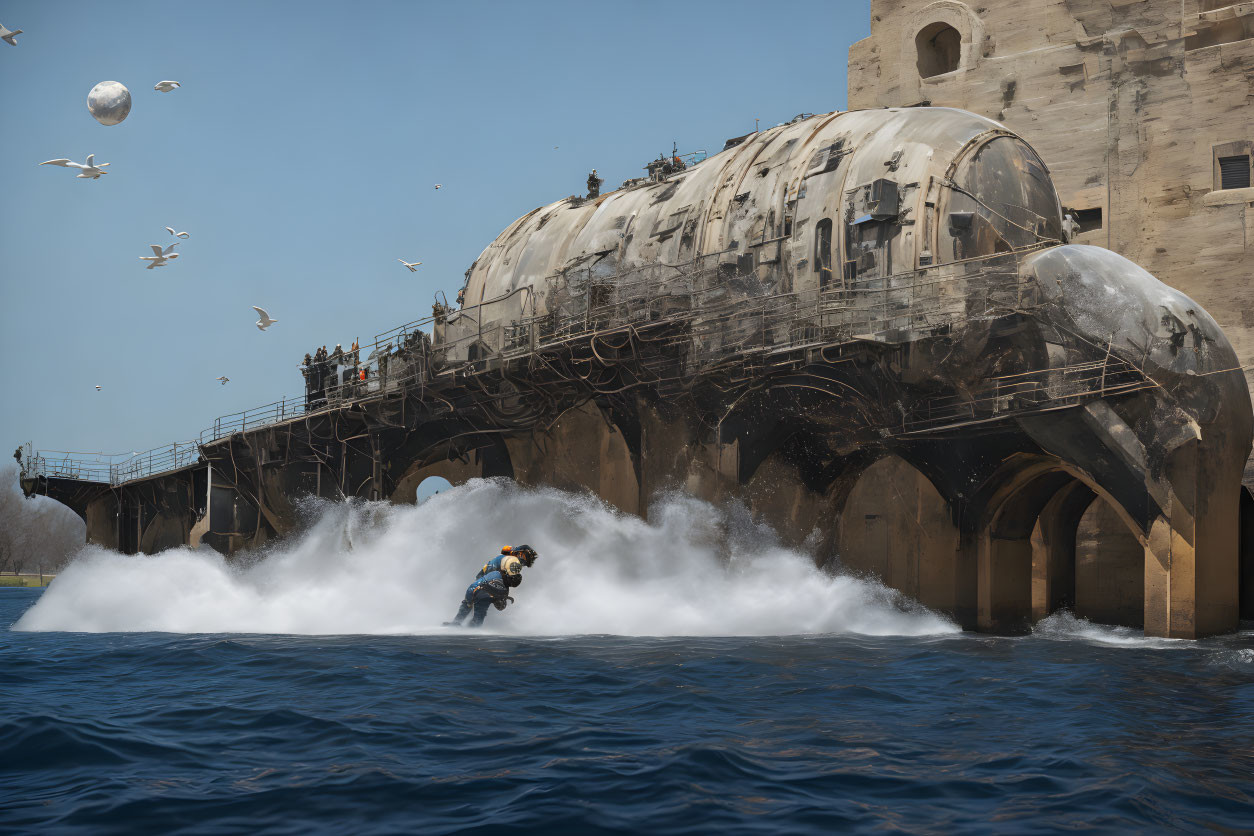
{"points": [[897, 527], [1129, 103]]}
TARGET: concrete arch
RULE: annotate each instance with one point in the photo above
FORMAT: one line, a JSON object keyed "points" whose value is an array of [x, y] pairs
{"points": [[584, 450], [929, 19], [431, 486], [1054, 549], [456, 471], [1004, 547], [1047, 538], [1109, 568]]}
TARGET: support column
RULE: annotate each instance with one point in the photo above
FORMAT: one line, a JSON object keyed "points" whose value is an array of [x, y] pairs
{"points": [[1191, 567], [201, 526], [1005, 582]]}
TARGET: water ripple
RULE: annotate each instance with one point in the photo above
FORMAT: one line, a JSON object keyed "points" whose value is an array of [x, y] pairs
{"points": [[114, 733]]}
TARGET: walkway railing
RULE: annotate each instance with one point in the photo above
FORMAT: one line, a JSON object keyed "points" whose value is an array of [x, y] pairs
{"points": [[724, 314], [272, 413], [105, 468]]}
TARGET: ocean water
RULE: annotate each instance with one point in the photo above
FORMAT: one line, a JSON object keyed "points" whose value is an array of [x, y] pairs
{"points": [[686, 675]]}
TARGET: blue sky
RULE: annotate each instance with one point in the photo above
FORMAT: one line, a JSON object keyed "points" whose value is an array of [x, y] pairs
{"points": [[301, 154]]}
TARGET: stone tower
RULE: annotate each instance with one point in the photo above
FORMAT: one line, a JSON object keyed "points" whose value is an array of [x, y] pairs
{"points": [[1142, 109]]}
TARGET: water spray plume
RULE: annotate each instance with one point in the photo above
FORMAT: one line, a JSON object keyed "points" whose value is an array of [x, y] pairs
{"points": [[375, 568]]}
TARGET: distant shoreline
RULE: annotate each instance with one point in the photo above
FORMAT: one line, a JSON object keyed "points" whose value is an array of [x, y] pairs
{"points": [[25, 580]]}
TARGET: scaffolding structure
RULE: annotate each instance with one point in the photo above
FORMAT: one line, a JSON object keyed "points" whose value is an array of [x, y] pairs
{"points": [[668, 327]]}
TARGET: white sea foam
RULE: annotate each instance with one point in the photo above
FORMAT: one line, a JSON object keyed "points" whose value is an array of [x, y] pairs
{"points": [[693, 569], [1068, 627]]}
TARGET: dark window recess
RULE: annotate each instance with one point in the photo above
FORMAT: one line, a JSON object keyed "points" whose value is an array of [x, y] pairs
{"points": [[1088, 219], [827, 158], [1234, 172], [823, 251], [884, 200], [940, 49]]}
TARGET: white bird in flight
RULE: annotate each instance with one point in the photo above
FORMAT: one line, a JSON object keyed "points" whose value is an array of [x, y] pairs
{"points": [[224, 380], [413, 268], [10, 38], [170, 230], [165, 86], [265, 321], [160, 257], [438, 185], [91, 171]]}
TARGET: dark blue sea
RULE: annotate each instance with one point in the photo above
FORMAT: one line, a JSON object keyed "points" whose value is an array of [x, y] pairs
{"points": [[1074, 728]]}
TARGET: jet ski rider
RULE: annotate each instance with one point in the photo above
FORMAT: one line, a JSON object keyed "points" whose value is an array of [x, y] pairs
{"points": [[510, 556]]}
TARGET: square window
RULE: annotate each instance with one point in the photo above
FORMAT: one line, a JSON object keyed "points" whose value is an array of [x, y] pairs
{"points": [[1234, 172]]}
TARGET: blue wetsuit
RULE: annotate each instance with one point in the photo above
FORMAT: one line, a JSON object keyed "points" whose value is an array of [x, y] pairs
{"points": [[499, 564], [492, 588]]}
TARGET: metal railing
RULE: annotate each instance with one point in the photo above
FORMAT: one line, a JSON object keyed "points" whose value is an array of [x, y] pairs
{"points": [[723, 314], [108, 469], [272, 413]]}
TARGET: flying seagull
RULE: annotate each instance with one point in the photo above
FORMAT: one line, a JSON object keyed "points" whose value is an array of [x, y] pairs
{"points": [[10, 38], [265, 321], [224, 380], [159, 257], [413, 268], [91, 171], [165, 86], [170, 230]]}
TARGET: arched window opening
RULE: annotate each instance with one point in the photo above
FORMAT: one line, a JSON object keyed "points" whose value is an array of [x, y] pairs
{"points": [[823, 251], [431, 486], [940, 49]]}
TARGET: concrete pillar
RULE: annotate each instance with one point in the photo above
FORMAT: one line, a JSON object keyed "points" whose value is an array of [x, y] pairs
{"points": [[1004, 582], [1192, 577], [201, 527], [102, 517], [1246, 550], [895, 525]]}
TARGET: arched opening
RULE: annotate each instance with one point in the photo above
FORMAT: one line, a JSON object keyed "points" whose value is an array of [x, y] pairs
{"points": [[940, 49], [1054, 549], [1006, 551], [823, 252], [431, 486], [1109, 569], [1052, 542], [896, 526], [455, 470]]}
